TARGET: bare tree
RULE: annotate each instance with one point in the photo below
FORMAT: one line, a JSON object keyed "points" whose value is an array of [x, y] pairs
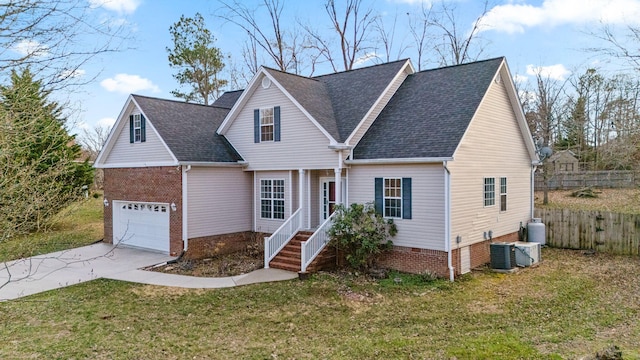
{"points": [[352, 26], [54, 38], [419, 28], [387, 38], [620, 45], [284, 48], [457, 45]]}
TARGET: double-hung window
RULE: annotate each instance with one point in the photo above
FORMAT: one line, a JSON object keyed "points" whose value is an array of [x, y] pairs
{"points": [[393, 197], [266, 124], [136, 128], [489, 191], [272, 199], [503, 194]]}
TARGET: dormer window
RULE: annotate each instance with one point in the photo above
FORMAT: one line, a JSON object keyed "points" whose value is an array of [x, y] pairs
{"points": [[266, 124], [137, 133]]}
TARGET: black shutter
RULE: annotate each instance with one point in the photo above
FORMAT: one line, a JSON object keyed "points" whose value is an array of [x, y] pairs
{"points": [[143, 129], [276, 123], [379, 206], [131, 138], [256, 126], [406, 198]]}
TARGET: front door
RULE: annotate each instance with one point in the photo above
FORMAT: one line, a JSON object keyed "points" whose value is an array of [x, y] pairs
{"points": [[328, 196]]}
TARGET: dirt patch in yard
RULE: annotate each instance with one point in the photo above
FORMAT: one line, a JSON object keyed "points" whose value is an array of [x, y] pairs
{"points": [[614, 200], [249, 259]]}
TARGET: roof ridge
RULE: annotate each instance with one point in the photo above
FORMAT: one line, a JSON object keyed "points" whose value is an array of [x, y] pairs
{"points": [[180, 101], [288, 73], [460, 65], [362, 68]]}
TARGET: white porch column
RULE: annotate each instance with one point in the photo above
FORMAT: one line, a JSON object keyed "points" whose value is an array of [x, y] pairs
{"points": [[302, 183], [338, 187]]}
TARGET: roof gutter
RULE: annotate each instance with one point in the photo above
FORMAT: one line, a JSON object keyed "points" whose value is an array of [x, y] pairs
{"points": [[426, 160], [214, 164], [339, 147]]}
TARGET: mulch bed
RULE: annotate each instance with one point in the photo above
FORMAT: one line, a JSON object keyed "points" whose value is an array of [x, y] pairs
{"points": [[238, 263]]}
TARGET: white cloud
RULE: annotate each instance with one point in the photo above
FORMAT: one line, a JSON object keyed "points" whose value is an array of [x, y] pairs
{"points": [[72, 73], [106, 122], [555, 72], [31, 48], [364, 58], [120, 6], [517, 78], [516, 17], [127, 84]]}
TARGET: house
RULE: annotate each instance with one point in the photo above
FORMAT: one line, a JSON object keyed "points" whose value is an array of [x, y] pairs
{"points": [[445, 152]]}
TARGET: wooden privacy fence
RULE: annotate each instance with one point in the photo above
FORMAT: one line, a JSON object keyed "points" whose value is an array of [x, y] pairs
{"points": [[600, 179], [602, 231]]}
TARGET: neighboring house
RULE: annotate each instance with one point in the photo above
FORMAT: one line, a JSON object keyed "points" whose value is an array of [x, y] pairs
{"points": [[564, 161], [446, 153]]}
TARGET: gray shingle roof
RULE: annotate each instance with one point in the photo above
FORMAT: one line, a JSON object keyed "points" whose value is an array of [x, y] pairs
{"points": [[429, 113], [189, 129], [354, 92], [312, 96], [227, 99]]}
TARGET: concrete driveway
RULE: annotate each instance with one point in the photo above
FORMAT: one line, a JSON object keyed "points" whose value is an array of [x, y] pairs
{"points": [[64, 268], [52, 271]]}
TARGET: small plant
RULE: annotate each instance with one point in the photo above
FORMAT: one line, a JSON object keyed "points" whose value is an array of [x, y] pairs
{"points": [[361, 233]]}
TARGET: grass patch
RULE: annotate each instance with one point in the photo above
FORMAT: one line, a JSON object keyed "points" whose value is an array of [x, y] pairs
{"points": [[625, 201], [570, 306], [79, 224]]}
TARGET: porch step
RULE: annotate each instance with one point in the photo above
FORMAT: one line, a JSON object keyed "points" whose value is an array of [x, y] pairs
{"points": [[289, 257]]}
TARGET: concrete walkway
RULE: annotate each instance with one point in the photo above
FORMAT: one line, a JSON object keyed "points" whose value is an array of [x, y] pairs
{"points": [[64, 268]]}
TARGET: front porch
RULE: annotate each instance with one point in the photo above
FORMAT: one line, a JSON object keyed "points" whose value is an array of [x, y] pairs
{"points": [[299, 243]]}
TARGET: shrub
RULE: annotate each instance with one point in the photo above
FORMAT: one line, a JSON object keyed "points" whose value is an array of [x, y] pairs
{"points": [[361, 233]]}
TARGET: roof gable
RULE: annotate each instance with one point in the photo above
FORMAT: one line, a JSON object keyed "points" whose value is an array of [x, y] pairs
{"points": [[353, 93], [189, 129], [429, 114]]}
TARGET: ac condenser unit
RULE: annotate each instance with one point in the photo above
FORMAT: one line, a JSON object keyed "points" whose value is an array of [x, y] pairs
{"points": [[503, 256], [527, 253]]}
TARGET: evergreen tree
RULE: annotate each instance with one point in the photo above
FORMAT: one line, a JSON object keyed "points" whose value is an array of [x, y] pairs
{"points": [[200, 62], [39, 169]]}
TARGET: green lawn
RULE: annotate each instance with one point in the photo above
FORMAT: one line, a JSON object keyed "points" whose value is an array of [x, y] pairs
{"points": [[79, 224], [570, 306]]}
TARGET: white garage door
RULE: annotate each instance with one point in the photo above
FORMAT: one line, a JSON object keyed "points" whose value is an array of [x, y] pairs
{"points": [[144, 225]]}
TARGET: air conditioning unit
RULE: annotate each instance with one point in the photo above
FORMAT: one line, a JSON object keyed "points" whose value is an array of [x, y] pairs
{"points": [[503, 256], [527, 253]]}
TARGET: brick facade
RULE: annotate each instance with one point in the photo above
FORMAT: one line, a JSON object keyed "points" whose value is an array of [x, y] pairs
{"points": [[149, 184], [414, 260]]}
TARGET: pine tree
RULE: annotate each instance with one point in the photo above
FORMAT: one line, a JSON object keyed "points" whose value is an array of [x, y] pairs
{"points": [[40, 171]]}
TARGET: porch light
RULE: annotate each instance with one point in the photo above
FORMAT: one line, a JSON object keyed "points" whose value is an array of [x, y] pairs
{"points": [[173, 207], [105, 202]]}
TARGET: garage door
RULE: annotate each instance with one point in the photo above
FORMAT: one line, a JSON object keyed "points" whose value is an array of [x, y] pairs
{"points": [[144, 225]]}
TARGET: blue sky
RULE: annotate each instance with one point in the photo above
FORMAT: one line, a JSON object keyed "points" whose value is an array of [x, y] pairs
{"points": [[542, 35]]}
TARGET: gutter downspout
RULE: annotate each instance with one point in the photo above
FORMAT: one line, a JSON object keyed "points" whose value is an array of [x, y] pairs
{"points": [[185, 235], [532, 195], [447, 220]]}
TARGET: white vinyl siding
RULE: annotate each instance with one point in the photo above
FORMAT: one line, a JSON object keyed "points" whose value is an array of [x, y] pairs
{"points": [[492, 147], [269, 225], [303, 145], [425, 230], [218, 201], [150, 151]]}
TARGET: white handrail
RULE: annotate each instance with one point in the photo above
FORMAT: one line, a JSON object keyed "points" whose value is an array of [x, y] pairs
{"points": [[316, 242], [274, 243]]}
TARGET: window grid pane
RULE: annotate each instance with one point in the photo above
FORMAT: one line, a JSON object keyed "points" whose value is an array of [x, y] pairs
{"points": [[393, 198], [503, 194], [489, 191], [266, 124], [272, 199]]}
